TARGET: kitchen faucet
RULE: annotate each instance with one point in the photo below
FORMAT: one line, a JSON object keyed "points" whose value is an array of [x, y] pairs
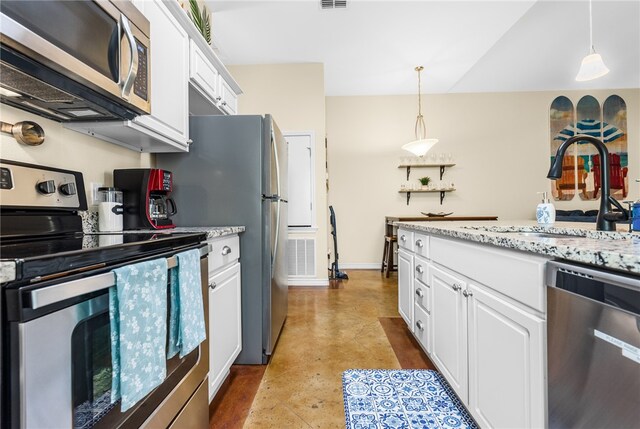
{"points": [[607, 218]]}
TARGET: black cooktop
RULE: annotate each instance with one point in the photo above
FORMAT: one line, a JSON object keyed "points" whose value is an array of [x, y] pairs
{"points": [[37, 258]]}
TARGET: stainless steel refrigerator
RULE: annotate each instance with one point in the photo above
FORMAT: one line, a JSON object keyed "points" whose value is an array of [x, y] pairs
{"points": [[236, 174]]}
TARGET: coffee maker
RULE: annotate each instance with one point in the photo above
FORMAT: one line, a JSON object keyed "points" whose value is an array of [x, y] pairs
{"points": [[146, 197]]}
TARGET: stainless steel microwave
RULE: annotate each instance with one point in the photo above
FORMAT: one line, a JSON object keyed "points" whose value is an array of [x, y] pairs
{"points": [[74, 60]]}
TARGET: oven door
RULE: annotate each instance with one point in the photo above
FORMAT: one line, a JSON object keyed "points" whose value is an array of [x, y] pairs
{"points": [[102, 44], [62, 369]]}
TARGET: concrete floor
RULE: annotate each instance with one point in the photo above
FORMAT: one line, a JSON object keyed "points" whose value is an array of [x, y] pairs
{"points": [[327, 331]]}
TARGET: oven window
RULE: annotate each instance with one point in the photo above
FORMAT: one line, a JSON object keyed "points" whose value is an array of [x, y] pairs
{"points": [[91, 373]]}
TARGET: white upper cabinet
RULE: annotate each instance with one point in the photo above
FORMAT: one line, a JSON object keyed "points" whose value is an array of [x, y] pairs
{"points": [[169, 71], [228, 97]]}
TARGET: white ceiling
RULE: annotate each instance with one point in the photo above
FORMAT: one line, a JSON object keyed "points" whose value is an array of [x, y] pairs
{"points": [[372, 47]]}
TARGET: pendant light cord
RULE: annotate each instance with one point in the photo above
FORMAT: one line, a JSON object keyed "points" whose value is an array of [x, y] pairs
{"points": [[592, 50], [421, 128]]}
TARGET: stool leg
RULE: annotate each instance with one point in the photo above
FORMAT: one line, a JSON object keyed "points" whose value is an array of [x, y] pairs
{"points": [[389, 259], [384, 255]]}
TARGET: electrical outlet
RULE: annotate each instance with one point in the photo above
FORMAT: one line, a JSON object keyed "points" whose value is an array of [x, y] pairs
{"points": [[94, 192]]}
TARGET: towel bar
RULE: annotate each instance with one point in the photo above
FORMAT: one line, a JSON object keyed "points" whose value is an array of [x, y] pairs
{"points": [[56, 293]]}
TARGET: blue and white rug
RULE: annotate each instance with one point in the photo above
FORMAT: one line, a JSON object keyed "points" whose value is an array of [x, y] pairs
{"points": [[401, 399]]}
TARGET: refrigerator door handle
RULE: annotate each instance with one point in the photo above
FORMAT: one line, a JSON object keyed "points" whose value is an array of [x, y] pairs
{"points": [[275, 157], [275, 244], [274, 253]]}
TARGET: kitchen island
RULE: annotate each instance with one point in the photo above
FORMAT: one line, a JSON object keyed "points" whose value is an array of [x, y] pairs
{"points": [[474, 295]]}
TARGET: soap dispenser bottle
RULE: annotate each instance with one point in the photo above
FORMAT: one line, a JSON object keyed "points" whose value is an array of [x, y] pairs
{"points": [[545, 212]]}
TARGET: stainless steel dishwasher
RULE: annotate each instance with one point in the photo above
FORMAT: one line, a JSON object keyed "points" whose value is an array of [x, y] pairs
{"points": [[593, 347]]}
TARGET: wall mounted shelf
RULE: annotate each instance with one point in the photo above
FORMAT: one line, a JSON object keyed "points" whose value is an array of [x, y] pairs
{"points": [[410, 166], [442, 192]]}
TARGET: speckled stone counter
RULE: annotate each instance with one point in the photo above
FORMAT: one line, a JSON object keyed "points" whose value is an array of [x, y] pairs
{"points": [[211, 231], [90, 226], [616, 250]]}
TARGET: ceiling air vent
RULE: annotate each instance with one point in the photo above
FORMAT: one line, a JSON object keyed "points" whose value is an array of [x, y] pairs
{"points": [[333, 4]]}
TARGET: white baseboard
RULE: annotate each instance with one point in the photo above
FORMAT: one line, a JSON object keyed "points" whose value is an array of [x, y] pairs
{"points": [[361, 265], [308, 281]]}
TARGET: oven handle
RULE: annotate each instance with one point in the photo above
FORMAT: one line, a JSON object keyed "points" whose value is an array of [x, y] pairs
{"points": [[60, 292]]}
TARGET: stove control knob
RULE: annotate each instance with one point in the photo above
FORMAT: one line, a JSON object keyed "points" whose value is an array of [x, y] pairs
{"points": [[46, 187], [68, 189]]}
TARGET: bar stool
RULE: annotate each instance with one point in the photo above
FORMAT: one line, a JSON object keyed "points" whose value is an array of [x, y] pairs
{"points": [[387, 255]]}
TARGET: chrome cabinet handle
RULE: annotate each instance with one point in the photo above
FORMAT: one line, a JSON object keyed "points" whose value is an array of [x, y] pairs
{"points": [[419, 243], [127, 84], [420, 269], [467, 294], [224, 103], [420, 325], [419, 293], [218, 98], [403, 238], [226, 250], [213, 285], [456, 287]]}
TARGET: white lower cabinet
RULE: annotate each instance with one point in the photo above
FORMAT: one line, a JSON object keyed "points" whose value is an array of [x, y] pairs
{"points": [[487, 339], [405, 286], [506, 363], [225, 325], [449, 330]]}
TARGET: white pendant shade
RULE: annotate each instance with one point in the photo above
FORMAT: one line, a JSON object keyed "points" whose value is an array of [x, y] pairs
{"points": [[420, 147], [592, 67]]}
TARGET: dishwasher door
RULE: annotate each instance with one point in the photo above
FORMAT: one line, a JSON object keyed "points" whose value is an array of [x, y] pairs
{"points": [[593, 347]]}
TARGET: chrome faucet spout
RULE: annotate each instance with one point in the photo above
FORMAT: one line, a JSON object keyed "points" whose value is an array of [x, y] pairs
{"points": [[604, 221]]}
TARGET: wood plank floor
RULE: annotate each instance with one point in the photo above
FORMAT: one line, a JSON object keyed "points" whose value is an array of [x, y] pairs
{"points": [[328, 330]]}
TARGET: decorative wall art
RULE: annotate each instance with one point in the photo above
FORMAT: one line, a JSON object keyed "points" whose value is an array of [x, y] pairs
{"points": [[562, 118], [581, 166]]}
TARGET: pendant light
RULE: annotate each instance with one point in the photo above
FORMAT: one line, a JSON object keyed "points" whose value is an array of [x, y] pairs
{"points": [[421, 145], [592, 66]]}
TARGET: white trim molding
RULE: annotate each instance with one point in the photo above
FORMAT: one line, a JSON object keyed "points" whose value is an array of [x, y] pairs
{"points": [[308, 281], [361, 265]]}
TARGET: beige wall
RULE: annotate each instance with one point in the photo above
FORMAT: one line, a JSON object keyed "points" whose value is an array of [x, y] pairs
{"points": [[499, 141], [68, 149], [294, 95]]}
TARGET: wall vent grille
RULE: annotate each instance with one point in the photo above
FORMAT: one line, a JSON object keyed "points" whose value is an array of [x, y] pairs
{"points": [[302, 256], [333, 4]]}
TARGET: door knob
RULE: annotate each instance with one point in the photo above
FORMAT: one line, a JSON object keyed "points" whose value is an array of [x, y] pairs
{"points": [[419, 243], [419, 293], [467, 294], [420, 325], [456, 287], [226, 250], [419, 269]]}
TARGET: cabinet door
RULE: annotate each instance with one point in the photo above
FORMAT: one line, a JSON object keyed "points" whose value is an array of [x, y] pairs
{"points": [[405, 286], [202, 73], [169, 74], [225, 326], [229, 99], [506, 363], [449, 327]]}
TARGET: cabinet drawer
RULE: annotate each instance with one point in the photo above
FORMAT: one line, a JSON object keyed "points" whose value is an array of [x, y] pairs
{"points": [[421, 270], [421, 242], [422, 296], [224, 251], [405, 239], [515, 274], [421, 328]]}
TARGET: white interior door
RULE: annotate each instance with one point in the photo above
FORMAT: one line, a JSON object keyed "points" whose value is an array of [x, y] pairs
{"points": [[300, 179]]}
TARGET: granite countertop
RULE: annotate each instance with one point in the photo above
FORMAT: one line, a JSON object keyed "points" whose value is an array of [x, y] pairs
{"points": [[90, 226], [616, 250], [211, 231]]}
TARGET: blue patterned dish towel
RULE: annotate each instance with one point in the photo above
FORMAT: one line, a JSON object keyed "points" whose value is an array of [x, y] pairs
{"points": [[138, 318], [186, 318]]}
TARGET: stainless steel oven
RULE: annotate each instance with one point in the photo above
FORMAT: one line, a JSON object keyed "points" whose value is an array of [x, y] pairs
{"points": [[55, 360], [75, 60], [61, 365]]}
